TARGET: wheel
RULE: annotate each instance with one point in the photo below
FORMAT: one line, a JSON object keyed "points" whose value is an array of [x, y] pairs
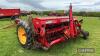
{"points": [[84, 34], [24, 35]]}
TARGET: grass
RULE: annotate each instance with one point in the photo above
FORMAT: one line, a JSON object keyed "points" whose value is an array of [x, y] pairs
{"points": [[9, 45]]}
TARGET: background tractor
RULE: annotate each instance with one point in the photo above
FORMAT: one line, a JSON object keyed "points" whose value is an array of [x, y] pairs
{"points": [[44, 32]]}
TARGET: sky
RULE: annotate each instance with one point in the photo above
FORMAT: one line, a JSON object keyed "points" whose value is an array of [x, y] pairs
{"points": [[41, 5]]}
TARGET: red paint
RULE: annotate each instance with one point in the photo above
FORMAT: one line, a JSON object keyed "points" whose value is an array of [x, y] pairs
{"points": [[9, 12], [72, 24], [53, 30]]}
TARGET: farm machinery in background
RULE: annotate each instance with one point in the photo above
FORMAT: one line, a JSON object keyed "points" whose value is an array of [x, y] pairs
{"points": [[44, 32], [13, 13]]}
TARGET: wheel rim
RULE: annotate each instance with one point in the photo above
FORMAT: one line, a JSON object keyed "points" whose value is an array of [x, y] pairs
{"points": [[22, 35]]}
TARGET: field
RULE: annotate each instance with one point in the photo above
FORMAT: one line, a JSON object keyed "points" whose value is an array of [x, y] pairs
{"points": [[9, 45]]}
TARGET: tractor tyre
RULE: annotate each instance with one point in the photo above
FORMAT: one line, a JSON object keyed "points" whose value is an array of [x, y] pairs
{"points": [[24, 35], [85, 34]]}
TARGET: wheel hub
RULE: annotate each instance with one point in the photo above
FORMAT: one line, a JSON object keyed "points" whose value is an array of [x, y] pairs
{"points": [[22, 35]]}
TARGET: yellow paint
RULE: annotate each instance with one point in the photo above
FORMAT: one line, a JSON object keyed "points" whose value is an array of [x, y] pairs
{"points": [[22, 35]]}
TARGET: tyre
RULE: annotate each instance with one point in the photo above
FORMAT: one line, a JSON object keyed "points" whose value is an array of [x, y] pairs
{"points": [[84, 34], [24, 35]]}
